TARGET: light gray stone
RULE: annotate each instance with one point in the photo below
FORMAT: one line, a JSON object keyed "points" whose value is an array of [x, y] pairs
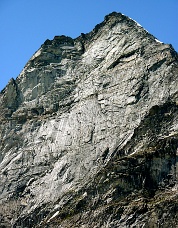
{"points": [[89, 122]]}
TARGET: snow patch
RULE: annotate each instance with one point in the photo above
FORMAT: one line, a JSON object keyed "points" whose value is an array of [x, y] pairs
{"points": [[57, 212], [158, 41], [132, 153], [132, 20], [138, 24]]}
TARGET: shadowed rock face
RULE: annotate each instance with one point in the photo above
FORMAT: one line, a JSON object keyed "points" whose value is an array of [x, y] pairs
{"points": [[89, 132]]}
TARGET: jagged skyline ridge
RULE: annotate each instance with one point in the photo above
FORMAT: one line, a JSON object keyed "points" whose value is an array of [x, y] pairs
{"points": [[31, 23], [82, 113]]}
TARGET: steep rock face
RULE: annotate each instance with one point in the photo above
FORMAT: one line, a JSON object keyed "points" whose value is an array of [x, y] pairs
{"points": [[89, 132]]}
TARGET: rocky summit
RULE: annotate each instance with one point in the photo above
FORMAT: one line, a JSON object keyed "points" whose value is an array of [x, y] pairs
{"points": [[89, 133]]}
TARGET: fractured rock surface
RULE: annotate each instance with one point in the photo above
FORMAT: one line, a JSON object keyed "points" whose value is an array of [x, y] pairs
{"points": [[89, 132]]}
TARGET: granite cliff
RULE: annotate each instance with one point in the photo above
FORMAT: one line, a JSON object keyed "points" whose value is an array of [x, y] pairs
{"points": [[89, 132]]}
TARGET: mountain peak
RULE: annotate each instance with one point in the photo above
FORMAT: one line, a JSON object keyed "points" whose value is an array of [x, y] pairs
{"points": [[89, 132]]}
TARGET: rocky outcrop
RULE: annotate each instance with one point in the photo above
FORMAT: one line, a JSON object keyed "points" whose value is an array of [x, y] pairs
{"points": [[89, 132]]}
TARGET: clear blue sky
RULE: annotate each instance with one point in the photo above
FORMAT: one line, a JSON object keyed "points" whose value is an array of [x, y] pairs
{"points": [[26, 24]]}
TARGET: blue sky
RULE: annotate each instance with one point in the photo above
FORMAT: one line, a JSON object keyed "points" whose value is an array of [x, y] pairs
{"points": [[26, 24]]}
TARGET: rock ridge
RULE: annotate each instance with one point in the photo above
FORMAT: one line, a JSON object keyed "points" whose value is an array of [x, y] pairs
{"points": [[89, 132]]}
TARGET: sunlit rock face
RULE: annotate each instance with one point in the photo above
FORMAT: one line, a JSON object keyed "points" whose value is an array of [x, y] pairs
{"points": [[89, 132]]}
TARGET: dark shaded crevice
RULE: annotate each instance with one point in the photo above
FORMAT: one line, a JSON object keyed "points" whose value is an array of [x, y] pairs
{"points": [[156, 65], [32, 219], [142, 91], [122, 57], [105, 154], [20, 189]]}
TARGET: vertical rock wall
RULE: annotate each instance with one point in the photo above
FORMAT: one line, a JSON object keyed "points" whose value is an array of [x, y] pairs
{"points": [[89, 132]]}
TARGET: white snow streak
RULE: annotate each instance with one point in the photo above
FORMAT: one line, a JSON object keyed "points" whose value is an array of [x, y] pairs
{"points": [[158, 41], [53, 216]]}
